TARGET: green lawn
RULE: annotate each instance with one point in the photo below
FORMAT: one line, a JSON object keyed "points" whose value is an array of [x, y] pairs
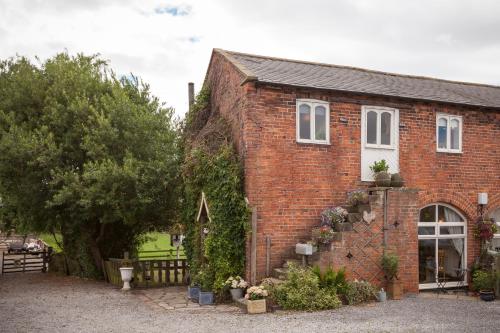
{"points": [[157, 241]]}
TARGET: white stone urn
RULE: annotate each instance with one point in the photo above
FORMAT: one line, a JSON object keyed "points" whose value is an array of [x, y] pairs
{"points": [[126, 273]]}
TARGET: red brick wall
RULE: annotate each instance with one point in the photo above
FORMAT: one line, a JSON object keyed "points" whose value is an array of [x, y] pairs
{"points": [[291, 183]]}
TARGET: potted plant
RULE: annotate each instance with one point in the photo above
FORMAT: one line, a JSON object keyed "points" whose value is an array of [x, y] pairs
{"points": [[379, 170], [484, 282], [126, 272], [194, 288], [359, 200], [390, 266], [256, 299], [206, 296], [484, 230], [334, 217], [325, 235], [236, 286]]}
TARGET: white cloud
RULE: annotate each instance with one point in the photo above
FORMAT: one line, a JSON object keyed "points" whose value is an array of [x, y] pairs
{"points": [[168, 43]]}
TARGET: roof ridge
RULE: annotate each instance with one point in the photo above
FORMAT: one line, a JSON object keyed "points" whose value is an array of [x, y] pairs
{"points": [[238, 64]]}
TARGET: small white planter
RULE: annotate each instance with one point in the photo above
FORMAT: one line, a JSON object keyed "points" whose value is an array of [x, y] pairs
{"points": [[126, 273]]}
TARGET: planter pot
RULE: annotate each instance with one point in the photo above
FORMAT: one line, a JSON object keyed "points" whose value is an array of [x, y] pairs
{"points": [[363, 208], [383, 179], [193, 292], [382, 296], [343, 227], [396, 180], [394, 289], [236, 293], [126, 274], [257, 306], [487, 296], [206, 298]]}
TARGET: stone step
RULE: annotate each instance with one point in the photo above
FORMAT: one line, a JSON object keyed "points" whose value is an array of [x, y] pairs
{"points": [[280, 273], [289, 261]]}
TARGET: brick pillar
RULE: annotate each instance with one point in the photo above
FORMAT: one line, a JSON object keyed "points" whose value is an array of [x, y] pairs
{"points": [[402, 219]]}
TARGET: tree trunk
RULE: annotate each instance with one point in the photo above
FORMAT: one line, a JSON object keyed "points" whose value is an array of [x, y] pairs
{"points": [[94, 247]]}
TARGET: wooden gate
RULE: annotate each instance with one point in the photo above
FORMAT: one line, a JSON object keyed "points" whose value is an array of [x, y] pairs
{"points": [[149, 273], [25, 262]]}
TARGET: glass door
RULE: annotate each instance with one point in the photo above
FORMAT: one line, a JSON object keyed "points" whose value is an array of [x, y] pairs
{"points": [[441, 246]]}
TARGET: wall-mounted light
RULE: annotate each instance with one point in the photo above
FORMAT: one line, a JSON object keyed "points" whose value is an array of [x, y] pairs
{"points": [[482, 201]]}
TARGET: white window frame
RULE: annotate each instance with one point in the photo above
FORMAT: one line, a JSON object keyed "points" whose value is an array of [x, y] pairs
{"points": [[379, 110], [313, 104], [449, 118], [437, 236]]}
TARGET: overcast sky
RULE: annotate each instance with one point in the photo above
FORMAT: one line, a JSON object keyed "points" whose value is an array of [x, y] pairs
{"points": [[168, 43]]}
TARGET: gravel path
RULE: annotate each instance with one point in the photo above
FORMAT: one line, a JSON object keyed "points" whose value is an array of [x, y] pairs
{"points": [[46, 303]]}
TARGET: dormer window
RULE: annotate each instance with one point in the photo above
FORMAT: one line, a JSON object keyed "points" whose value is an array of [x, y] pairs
{"points": [[313, 121], [449, 133]]}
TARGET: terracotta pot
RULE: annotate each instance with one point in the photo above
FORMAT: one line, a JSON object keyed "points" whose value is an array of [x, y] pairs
{"points": [[383, 179], [257, 306], [394, 289]]}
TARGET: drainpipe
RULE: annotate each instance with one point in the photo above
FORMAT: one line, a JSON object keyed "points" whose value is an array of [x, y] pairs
{"points": [[386, 225], [191, 94]]}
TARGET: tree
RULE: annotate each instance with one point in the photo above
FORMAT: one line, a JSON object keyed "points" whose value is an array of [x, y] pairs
{"points": [[84, 154]]}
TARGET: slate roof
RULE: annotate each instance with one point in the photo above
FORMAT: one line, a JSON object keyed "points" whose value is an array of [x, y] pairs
{"points": [[341, 78]]}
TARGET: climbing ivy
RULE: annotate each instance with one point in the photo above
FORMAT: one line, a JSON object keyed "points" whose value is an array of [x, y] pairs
{"points": [[211, 165]]}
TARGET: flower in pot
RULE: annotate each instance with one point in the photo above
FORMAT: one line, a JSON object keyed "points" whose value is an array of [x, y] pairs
{"points": [[484, 282], [390, 266], [126, 272], [194, 288], [358, 201], [325, 235], [379, 170], [256, 299], [485, 229], [236, 286], [333, 217]]}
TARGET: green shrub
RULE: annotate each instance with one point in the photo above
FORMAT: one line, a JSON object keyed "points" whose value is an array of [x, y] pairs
{"points": [[390, 266], [483, 280], [379, 166], [330, 279], [360, 292], [302, 291]]}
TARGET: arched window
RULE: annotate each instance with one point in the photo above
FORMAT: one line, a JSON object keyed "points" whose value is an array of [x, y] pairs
{"points": [[495, 215], [441, 246]]}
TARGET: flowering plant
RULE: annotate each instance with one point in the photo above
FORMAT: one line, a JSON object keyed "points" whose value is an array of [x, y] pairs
{"points": [[333, 216], [256, 292], [236, 282], [326, 234], [485, 229]]}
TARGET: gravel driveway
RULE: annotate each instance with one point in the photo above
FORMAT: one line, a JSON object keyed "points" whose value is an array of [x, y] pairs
{"points": [[46, 303]]}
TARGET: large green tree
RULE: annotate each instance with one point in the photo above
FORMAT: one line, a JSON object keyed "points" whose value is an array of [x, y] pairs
{"points": [[84, 154]]}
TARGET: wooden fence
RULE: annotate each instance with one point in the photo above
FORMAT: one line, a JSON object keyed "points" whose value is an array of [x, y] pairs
{"points": [[25, 262], [149, 273]]}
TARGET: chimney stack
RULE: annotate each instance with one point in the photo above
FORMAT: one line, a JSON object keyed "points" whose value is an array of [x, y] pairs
{"points": [[191, 94]]}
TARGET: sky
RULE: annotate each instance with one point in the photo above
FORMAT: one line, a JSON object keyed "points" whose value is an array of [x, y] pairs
{"points": [[168, 43]]}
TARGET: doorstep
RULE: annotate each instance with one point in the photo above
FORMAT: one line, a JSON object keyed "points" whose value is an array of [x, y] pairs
{"points": [[460, 296]]}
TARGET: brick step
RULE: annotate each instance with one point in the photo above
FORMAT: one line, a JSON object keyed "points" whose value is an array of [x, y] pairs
{"points": [[280, 273]]}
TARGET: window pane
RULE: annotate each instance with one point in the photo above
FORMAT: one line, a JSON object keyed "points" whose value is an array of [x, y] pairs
{"points": [[450, 252], [320, 122], [426, 260], [455, 230], [305, 121], [442, 128], [426, 230], [446, 214], [385, 128], [428, 214], [371, 127], [454, 134]]}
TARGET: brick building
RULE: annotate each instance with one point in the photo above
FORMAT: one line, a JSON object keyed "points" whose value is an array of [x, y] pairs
{"points": [[307, 133]]}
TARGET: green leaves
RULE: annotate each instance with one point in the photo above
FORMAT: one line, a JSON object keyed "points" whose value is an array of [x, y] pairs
{"points": [[80, 149]]}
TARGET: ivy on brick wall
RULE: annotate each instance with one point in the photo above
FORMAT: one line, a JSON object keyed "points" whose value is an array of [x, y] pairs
{"points": [[211, 165]]}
